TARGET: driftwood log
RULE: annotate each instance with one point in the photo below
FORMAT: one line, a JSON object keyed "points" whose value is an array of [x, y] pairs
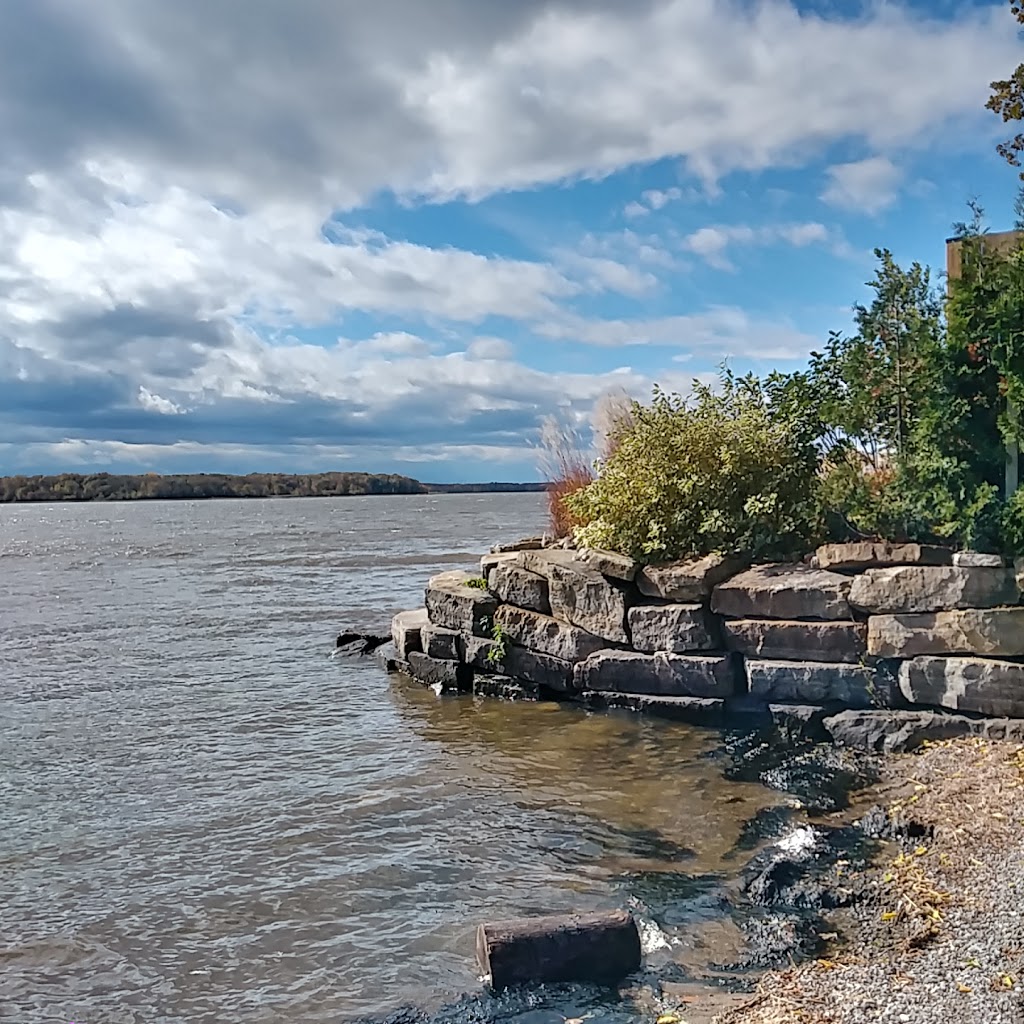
{"points": [[599, 947]]}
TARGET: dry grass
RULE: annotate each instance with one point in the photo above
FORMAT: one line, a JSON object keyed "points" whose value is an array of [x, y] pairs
{"points": [[971, 794], [566, 464]]}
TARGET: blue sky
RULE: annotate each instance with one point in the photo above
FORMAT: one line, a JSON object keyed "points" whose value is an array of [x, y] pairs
{"points": [[395, 237]]}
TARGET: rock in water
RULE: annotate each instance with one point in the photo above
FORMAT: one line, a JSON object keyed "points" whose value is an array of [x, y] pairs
{"points": [[601, 948]]}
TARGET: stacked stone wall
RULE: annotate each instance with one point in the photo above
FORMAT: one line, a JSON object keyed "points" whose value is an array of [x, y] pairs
{"points": [[875, 645]]}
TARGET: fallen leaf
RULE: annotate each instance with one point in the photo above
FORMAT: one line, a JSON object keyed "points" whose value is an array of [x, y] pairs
{"points": [[668, 1018], [964, 988], [889, 915], [920, 851]]}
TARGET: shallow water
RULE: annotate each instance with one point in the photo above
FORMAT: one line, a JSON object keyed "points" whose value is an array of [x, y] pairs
{"points": [[207, 818]]}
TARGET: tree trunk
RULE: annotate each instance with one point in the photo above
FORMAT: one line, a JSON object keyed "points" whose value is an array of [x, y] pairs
{"points": [[600, 947]]}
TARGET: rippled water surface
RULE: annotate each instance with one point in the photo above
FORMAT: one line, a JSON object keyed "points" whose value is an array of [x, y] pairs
{"points": [[206, 818]]}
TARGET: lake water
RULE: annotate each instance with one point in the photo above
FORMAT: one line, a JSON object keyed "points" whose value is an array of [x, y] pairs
{"points": [[207, 818]]}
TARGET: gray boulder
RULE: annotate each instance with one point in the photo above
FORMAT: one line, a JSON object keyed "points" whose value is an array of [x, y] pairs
{"points": [[453, 605], [784, 591], [691, 580], [524, 544], [994, 688], [796, 641], [406, 630], [798, 682], [924, 588], [547, 635], [672, 627], [997, 632], [704, 711], [520, 587], [978, 560], [662, 674], [493, 560]]}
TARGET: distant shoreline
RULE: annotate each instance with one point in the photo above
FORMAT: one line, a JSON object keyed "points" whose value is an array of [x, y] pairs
{"points": [[106, 487]]}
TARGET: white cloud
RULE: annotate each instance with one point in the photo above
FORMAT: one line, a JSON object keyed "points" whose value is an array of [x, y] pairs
{"points": [[868, 186], [657, 198], [154, 403], [720, 332], [490, 348], [712, 242]]}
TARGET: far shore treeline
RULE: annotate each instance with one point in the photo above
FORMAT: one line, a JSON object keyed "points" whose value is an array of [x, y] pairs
{"points": [[152, 486]]}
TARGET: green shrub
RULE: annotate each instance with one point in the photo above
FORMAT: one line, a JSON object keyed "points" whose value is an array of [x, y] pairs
{"points": [[477, 583], [728, 469]]}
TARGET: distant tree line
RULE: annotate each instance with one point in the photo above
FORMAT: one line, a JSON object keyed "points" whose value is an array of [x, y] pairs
{"points": [[151, 486], [148, 486]]}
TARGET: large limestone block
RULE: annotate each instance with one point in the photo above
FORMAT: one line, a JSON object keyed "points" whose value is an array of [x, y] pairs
{"points": [[453, 605], [868, 554], [662, 674], [796, 641], [493, 560], [608, 563], [441, 643], [672, 627], [530, 667], [543, 562], [524, 544], [799, 682], [691, 580], [899, 732], [925, 588], [406, 630], [978, 559], [965, 684], [586, 599], [518, 586], [705, 711], [443, 676], [547, 635], [784, 591], [998, 632]]}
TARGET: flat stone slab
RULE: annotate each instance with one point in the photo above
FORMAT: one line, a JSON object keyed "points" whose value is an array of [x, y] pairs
{"points": [[784, 591], [706, 711], [980, 685], [899, 732], [875, 554], [978, 559], [503, 687], [523, 544], [547, 635], [610, 564], [493, 560], [441, 643], [924, 588], [518, 663], [406, 630], [520, 587], [796, 641], [799, 723], [995, 632], [676, 628], [453, 605], [798, 682], [586, 599], [662, 674], [443, 676], [544, 561], [691, 580]]}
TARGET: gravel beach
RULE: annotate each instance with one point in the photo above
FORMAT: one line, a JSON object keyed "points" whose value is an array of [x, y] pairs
{"points": [[939, 934]]}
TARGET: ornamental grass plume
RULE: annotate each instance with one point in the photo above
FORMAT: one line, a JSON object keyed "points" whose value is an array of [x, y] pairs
{"points": [[565, 464]]}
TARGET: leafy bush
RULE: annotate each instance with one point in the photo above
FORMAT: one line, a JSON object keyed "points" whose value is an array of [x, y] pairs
{"points": [[728, 469]]}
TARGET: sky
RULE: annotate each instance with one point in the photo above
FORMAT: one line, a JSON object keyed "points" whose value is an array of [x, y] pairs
{"points": [[311, 235]]}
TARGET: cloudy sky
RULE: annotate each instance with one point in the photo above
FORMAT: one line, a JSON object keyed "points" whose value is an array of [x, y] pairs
{"points": [[301, 235]]}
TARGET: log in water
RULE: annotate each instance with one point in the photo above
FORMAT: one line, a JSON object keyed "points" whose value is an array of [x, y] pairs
{"points": [[598, 947]]}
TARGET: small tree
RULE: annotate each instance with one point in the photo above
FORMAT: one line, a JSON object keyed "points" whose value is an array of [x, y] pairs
{"points": [[1007, 100]]}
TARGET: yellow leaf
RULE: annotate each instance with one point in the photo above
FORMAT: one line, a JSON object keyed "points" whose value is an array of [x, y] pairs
{"points": [[889, 915], [888, 877], [1006, 981], [964, 988], [669, 1018], [920, 851]]}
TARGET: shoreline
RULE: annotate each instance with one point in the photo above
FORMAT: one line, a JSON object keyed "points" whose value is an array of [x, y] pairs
{"points": [[938, 931]]}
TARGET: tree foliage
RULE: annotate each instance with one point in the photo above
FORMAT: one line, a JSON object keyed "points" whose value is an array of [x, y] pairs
{"points": [[727, 468], [1007, 100]]}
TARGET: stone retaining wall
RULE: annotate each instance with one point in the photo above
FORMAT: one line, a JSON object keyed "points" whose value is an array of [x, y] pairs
{"points": [[875, 645]]}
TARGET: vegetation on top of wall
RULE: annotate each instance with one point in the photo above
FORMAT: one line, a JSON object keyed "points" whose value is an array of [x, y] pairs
{"points": [[897, 431]]}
